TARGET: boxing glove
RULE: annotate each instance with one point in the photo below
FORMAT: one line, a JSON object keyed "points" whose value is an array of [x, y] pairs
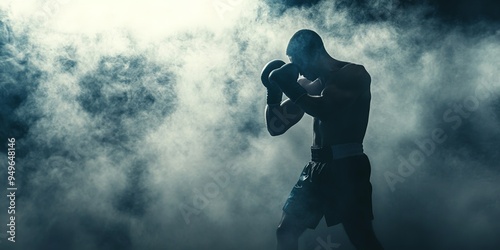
{"points": [[274, 93]]}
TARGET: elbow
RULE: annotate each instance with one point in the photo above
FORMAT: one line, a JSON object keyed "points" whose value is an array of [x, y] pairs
{"points": [[274, 126]]}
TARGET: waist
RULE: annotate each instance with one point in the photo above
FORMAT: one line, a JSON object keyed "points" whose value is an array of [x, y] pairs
{"points": [[336, 152]]}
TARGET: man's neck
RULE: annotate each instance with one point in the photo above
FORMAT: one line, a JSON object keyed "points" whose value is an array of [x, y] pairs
{"points": [[329, 65]]}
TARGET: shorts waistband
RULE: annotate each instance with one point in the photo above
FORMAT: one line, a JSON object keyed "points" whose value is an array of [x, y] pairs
{"points": [[335, 152]]}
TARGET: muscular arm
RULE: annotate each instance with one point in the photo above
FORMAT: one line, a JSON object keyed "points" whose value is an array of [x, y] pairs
{"points": [[279, 118], [344, 87]]}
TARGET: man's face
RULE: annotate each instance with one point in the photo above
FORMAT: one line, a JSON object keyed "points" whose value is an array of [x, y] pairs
{"points": [[306, 67]]}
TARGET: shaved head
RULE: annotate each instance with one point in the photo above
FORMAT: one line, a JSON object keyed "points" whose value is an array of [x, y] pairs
{"points": [[305, 49], [305, 44]]}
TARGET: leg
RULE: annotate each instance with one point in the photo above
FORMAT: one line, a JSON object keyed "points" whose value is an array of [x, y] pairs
{"points": [[289, 231], [302, 210], [361, 234]]}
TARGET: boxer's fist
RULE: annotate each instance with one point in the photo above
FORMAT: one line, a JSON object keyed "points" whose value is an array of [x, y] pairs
{"points": [[268, 68], [287, 74], [286, 79]]}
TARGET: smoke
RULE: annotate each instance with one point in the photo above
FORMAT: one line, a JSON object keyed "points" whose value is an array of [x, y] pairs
{"points": [[140, 125]]}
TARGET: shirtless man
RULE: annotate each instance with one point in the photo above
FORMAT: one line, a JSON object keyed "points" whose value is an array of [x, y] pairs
{"points": [[336, 182]]}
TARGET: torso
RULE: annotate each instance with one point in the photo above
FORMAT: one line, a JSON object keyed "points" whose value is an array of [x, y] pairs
{"points": [[347, 125]]}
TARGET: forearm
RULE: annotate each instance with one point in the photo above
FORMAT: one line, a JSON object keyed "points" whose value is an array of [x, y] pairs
{"points": [[280, 117], [286, 78], [274, 93], [274, 125], [311, 104]]}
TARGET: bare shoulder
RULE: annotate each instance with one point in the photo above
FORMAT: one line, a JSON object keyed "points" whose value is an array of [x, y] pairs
{"points": [[351, 80], [354, 69], [353, 75]]}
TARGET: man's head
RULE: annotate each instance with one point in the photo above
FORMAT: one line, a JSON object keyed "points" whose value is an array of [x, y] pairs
{"points": [[305, 49]]}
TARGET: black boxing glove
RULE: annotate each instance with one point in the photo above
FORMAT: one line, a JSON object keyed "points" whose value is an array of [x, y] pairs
{"points": [[286, 78], [274, 93]]}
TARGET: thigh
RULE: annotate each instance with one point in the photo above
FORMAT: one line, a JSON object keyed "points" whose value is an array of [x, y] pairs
{"points": [[349, 191], [305, 202]]}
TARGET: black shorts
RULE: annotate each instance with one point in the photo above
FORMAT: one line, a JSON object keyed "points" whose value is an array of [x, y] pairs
{"points": [[338, 189]]}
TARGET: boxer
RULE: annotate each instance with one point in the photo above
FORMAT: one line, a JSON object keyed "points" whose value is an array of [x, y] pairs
{"points": [[336, 182]]}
